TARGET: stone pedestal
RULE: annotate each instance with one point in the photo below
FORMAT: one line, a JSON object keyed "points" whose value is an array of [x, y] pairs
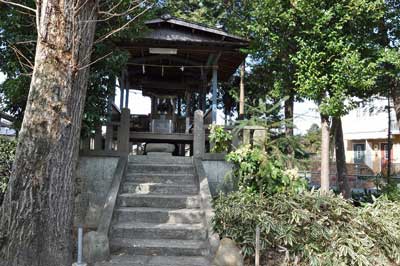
{"points": [[160, 148]]}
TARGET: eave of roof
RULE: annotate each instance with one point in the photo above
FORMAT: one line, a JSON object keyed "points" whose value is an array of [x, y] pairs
{"points": [[196, 26]]}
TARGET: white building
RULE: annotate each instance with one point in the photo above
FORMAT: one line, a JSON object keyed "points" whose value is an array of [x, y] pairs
{"points": [[365, 132]]}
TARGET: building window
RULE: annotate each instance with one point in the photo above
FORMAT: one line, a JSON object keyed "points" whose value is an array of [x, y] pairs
{"points": [[386, 152]]}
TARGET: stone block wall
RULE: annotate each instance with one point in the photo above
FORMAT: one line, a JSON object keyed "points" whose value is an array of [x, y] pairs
{"points": [[93, 180], [219, 176]]}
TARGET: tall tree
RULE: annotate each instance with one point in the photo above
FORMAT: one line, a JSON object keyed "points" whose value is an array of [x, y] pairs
{"points": [[36, 216], [334, 61], [37, 212], [341, 168], [389, 43]]}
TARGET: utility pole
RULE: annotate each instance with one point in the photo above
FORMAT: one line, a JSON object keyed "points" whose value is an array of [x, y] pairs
{"points": [[389, 140]]}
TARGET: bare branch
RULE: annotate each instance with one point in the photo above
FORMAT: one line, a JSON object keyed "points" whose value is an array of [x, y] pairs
{"points": [[114, 7], [123, 26], [95, 61], [20, 54], [26, 42], [77, 9], [18, 5], [126, 12]]}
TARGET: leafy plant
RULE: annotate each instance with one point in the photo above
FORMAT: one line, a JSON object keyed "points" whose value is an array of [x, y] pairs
{"points": [[7, 153], [257, 171], [265, 165], [311, 228], [220, 138]]}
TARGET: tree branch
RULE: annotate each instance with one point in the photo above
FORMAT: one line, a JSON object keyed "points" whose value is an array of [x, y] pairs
{"points": [[95, 61], [123, 26], [18, 5]]}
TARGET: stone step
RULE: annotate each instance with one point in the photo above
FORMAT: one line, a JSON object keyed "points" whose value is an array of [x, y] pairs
{"points": [[158, 215], [160, 178], [158, 188], [164, 247], [140, 260], [158, 201], [159, 159], [159, 231], [164, 168]]}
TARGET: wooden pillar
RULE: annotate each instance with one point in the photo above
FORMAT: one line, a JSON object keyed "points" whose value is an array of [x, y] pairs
{"points": [[241, 96], [153, 105], [86, 144], [198, 135], [123, 131], [214, 94], [109, 128], [179, 106], [109, 137], [98, 139], [188, 104], [127, 92], [121, 90]]}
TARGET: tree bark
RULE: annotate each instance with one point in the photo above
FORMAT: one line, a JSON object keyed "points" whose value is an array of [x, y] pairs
{"points": [[289, 122], [342, 178], [37, 212], [324, 153]]}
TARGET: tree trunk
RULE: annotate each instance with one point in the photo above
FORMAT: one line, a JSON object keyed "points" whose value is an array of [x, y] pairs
{"points": [[241, 93], [395, 91], [37, 212], [342, 178], [324, 153], [289, 123]]}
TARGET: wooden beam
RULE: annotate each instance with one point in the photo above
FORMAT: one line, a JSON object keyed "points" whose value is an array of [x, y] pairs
{"points": [[7, 117], [167, 85], [152, 58], [161, 137]]}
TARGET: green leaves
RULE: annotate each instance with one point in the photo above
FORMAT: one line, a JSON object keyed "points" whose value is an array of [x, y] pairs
{"points": [[335, 58], [220, 138], [317, 229]]}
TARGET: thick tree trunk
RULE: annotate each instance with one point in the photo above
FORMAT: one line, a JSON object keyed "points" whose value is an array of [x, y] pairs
{"points": [[324, 153], [37, 212], [342, 178], [289, 123]]}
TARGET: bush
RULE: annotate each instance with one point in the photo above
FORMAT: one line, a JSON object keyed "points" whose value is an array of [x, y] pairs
{"points": [[7, 153], [220, 138], [312, 229], [259, 171]]}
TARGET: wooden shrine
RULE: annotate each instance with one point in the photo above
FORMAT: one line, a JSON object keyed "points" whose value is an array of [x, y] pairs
{"points": [[177, 64]]}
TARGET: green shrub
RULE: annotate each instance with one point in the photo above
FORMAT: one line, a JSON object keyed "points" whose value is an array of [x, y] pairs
{"points": [[7, 153], [259, 171], [220, 138], [312, 229]]}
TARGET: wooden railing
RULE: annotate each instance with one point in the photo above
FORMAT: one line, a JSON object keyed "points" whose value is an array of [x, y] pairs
{"points": [[112, 144]]}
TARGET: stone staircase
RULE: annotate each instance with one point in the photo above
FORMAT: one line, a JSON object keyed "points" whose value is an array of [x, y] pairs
{"points": [[158, 220]]}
